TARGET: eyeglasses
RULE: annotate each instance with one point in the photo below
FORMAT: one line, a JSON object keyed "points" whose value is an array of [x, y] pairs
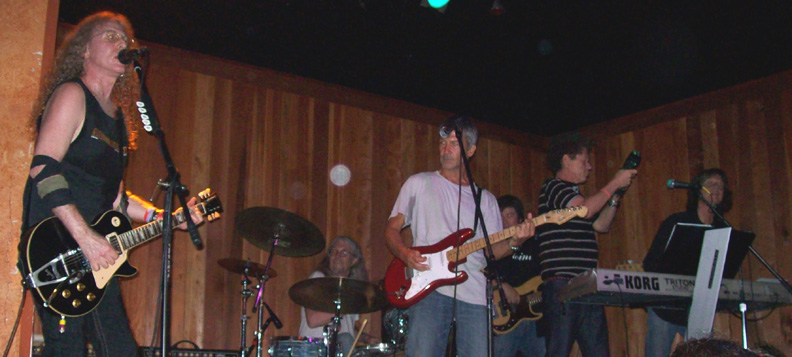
{"points": [[112, 36], [340, 253], [714, 187]]}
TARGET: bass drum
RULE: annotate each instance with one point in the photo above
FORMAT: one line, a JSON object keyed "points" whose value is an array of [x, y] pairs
{"points": [[290, 346], [379, 350]]}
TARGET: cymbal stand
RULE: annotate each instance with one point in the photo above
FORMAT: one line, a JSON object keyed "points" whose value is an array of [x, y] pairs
{"points": [[246, 293], [333, 342], [262, 282]]}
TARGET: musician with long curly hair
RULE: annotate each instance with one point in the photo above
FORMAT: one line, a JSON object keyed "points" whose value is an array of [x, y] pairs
{"points": [[77, 171]]}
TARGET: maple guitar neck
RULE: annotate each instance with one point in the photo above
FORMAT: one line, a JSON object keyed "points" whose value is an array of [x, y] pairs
{"points": [[472, 247]]}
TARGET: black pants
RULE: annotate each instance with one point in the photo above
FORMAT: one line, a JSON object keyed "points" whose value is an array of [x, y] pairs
{"points": [[107, 327]]}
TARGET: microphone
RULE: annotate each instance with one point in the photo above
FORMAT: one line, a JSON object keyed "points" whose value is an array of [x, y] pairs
{"points": [[275, 319], [126, 55], [671, 183]]}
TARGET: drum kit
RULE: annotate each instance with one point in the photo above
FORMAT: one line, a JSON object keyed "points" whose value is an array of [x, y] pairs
{"points": [[287, 234]]}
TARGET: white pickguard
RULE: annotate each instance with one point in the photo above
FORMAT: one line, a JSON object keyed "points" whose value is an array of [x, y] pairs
{"points": [[438, 270]]}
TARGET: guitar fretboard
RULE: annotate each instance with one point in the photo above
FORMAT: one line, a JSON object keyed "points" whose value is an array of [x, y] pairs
{"points": [[557, 216], [149, 231]]}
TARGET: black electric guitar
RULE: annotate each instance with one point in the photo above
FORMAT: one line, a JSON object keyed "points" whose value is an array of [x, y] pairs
{"points": [[506, 320], [54, 266]]}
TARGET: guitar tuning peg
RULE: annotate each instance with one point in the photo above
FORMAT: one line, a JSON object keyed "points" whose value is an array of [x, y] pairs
{"points": [[204, 194]]}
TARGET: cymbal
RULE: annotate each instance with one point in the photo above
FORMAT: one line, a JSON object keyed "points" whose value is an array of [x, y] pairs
{"points": [[238, 266], [356, 296], [298, 237]]}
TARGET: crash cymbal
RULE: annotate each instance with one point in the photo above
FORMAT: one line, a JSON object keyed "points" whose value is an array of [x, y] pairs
{"points": [[297, 236], [239, 266], [356, 296]]}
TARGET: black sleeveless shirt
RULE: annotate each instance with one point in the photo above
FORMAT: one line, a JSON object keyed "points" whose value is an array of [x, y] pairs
{"points": [[93, 165]]}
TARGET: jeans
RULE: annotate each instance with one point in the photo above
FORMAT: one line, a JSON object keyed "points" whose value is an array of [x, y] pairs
{"points": [[567, 322], [107, 327], [660, 334], [430, 322], [522, 339]]}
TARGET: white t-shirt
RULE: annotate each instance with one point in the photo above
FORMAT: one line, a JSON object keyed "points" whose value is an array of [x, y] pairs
{"points": [[347, 321], [428, 202]]}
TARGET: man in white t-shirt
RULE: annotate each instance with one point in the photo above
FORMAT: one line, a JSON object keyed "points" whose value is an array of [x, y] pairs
{"points": [[435, 205], [344, 260]]}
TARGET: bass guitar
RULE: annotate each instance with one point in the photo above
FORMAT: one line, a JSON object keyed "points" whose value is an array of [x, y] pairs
{"points": [[405, 286], [506, 320], [54, 266]]}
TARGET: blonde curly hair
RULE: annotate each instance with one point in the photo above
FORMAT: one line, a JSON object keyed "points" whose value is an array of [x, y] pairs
{"points": [[69, 66]]}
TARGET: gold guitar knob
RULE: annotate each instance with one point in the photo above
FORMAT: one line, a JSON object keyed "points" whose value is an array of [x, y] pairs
{"points": [[90, 297], [66, 293], [80, 286], [76, 303]]}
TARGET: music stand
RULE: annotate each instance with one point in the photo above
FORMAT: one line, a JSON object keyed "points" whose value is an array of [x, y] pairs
{"points": [[683, 250]]}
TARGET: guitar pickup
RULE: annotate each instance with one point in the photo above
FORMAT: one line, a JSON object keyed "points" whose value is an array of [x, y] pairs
{"points": [[64, 266]]}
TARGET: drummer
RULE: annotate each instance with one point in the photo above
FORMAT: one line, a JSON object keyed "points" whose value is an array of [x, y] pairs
{"points": [[344, 259]]}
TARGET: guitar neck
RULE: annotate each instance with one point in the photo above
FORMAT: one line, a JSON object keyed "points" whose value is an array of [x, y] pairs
{"points": [[149, 231], [470, 248]]}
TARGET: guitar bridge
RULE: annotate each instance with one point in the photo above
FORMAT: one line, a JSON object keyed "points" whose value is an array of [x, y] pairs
{"points": [[65, 266]]}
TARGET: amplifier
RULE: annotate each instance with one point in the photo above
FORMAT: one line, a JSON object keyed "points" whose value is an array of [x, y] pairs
{"points": [[180, 352]]}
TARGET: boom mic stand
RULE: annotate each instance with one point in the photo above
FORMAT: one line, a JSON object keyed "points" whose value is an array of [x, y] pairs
{"points": [[743, 305], [151, 124], [489, 255]]}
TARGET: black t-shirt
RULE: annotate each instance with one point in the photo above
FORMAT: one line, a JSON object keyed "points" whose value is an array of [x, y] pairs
{"points": [[93, 165], [521, 266]]}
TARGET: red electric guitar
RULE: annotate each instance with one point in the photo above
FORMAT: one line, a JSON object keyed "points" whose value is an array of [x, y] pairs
{"points": [[405, 286]]}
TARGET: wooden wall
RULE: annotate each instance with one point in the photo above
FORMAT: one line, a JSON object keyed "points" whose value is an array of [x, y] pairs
{"points": [[27, 35], [746, 131], [261, 138]]}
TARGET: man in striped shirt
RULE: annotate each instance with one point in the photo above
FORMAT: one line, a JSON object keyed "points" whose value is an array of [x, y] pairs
{"points": [[571, 248]]}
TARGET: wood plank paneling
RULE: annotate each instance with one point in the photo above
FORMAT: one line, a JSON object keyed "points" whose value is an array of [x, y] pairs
{"points": [[261, 138]]}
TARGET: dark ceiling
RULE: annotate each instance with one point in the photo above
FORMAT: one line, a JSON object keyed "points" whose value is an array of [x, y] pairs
{"points": [[543, 66]]}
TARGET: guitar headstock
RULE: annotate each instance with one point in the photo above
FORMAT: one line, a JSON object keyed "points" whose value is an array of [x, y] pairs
{"points": [[210, 205], [561, 216]]}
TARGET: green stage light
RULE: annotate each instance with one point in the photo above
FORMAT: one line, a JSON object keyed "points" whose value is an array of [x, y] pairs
{"points": [[437, 3]]}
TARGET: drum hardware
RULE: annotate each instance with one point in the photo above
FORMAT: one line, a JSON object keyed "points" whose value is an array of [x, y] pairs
{"points": [[340, 296], [280, 233]]}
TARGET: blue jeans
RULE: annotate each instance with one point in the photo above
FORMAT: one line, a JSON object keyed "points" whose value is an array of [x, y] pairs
{"points": [[430, 323], [107, 327], [522, 339], [567, 323], [660, 334]]}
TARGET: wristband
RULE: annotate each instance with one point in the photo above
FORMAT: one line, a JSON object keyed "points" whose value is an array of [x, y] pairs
{"points": [[513, 248], [606, 192], [153, 214]]}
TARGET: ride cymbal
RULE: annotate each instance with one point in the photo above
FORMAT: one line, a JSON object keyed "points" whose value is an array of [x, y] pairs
{"points": [[297, 237]]}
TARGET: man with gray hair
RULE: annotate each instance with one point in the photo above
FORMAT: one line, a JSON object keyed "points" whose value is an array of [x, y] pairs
{"points": [[435, 205]]}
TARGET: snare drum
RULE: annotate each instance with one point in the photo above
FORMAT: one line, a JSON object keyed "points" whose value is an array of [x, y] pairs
{"points": [[290, 346], [382, 349]]}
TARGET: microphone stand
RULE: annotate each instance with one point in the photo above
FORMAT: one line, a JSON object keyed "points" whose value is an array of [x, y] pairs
{"points": [[489, 255], [151, 125], [743, 305]]}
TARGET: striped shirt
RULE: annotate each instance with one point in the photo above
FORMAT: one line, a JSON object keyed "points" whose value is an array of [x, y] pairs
{"points": [[571, 248]]}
